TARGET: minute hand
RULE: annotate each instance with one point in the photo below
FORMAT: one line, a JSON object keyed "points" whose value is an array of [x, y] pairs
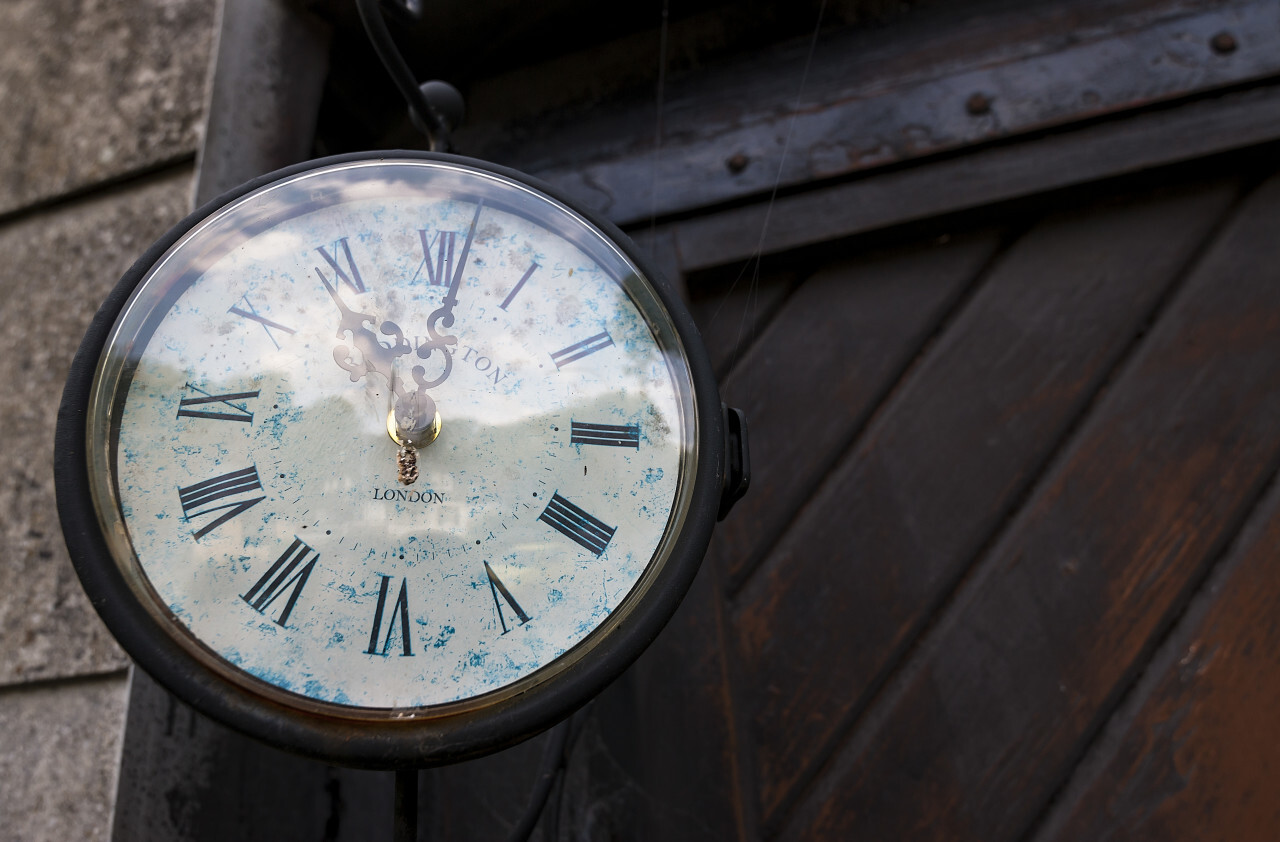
{"points": [[443, 315]]}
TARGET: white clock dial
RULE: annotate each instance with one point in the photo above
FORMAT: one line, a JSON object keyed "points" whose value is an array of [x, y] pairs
{"points": [[252, 484]]}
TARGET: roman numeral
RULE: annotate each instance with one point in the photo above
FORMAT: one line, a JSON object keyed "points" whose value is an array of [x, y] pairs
{"points": [[287, 570], [443, 244], [496, 587], [351, 277], [267, 324], [609, 435], [193, 497], [238, 412], [572, 522], [578, 350], [519, 286], [399, 611]]}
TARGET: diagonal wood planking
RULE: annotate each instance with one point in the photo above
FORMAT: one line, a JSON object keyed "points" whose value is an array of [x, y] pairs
{"points": [[1022, 669], [883, 541], [819, 368], [1195, 750]]}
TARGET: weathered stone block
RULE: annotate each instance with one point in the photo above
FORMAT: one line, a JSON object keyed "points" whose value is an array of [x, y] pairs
{"points": [[95, 90], [59, 265], [58, 747]]}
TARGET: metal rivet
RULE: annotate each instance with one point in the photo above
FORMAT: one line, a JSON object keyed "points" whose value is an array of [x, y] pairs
{"points": [[978, 104], [1223, 43], [737, 163]]}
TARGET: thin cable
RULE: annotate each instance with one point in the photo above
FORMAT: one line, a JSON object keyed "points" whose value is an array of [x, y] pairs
{"points": [[658, 127], [754, 261], [550, 768], [380, 37]]}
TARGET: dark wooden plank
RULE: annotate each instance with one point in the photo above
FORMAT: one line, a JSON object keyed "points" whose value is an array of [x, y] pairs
{"points": [[481, 799], [669, 721], [1194, 752], [655, 759], [894, 527], [821, 365], [732, 308], [869, 97], [1018, 674], [1123, 145]]}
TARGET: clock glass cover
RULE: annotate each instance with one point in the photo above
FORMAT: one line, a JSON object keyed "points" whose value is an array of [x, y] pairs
{"points": [[249, 411]]}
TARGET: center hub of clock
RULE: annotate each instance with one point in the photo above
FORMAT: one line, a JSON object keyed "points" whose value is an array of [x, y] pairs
{"points": [[413, 421]]}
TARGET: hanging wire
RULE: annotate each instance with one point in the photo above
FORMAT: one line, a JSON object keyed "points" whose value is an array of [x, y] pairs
{"points": [[428, 118], [550, 769]]}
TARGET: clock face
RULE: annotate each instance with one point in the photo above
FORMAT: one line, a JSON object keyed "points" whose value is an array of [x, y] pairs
{"points": [[247, 415]]}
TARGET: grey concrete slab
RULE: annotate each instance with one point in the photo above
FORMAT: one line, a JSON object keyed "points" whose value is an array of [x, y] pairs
{"points": [[59, 264], [185, 778], [93, 91], [58, 748]]}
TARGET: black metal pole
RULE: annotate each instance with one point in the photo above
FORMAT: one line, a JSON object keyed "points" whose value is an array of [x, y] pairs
{"points": [[404, 823]]}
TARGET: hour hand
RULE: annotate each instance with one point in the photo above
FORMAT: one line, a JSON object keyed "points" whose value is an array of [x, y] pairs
{"points": [[374, 356]]}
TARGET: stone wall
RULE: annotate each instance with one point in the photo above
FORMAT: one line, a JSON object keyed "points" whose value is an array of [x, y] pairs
{"points": [[104, 104]]}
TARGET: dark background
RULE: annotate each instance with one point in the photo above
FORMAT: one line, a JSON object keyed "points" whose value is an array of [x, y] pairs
{"points": [[996, 284]]}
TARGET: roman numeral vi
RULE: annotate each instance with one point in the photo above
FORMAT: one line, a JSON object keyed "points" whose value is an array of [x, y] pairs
{"points": [[399, 612]]}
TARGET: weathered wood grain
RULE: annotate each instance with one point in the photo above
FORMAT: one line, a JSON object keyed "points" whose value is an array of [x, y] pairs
{"points": [[1195, 750], [819, 368], [1126, 144], [732, 309], [669, 720], [1027, 662], [861, 100], [882, 543]]}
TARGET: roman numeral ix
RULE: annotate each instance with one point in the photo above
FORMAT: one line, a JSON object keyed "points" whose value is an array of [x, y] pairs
{"points": [[203, 494], [287, 570], [591, 533]]}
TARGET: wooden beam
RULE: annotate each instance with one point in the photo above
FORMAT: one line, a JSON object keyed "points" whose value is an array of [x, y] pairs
{"points": [[790, 118], [1116, 147]]}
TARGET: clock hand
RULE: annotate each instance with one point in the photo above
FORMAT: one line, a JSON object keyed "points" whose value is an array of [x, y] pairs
{"points": [[443, 315], [374, 356]]}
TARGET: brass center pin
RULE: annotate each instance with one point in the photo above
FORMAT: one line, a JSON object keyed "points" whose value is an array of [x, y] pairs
{"points": [[411, 435]]}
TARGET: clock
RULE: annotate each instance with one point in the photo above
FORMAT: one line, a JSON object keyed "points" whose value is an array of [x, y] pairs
{"points": [[391, 459]]}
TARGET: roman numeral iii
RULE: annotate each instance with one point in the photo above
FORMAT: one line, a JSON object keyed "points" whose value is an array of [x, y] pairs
{"points": [[569, 520], [196, 499], [609, 435], [287, 570]]}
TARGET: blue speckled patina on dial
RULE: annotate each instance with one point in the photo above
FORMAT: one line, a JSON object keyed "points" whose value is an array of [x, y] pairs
{"points": [[271, 524]]}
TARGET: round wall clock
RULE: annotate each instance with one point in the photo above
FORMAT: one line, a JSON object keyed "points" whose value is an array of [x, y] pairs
{"points": [[391, 459]]}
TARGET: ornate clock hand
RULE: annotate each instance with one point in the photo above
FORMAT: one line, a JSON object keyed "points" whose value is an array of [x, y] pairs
{"points": [[443, 315], [374, 356]]}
